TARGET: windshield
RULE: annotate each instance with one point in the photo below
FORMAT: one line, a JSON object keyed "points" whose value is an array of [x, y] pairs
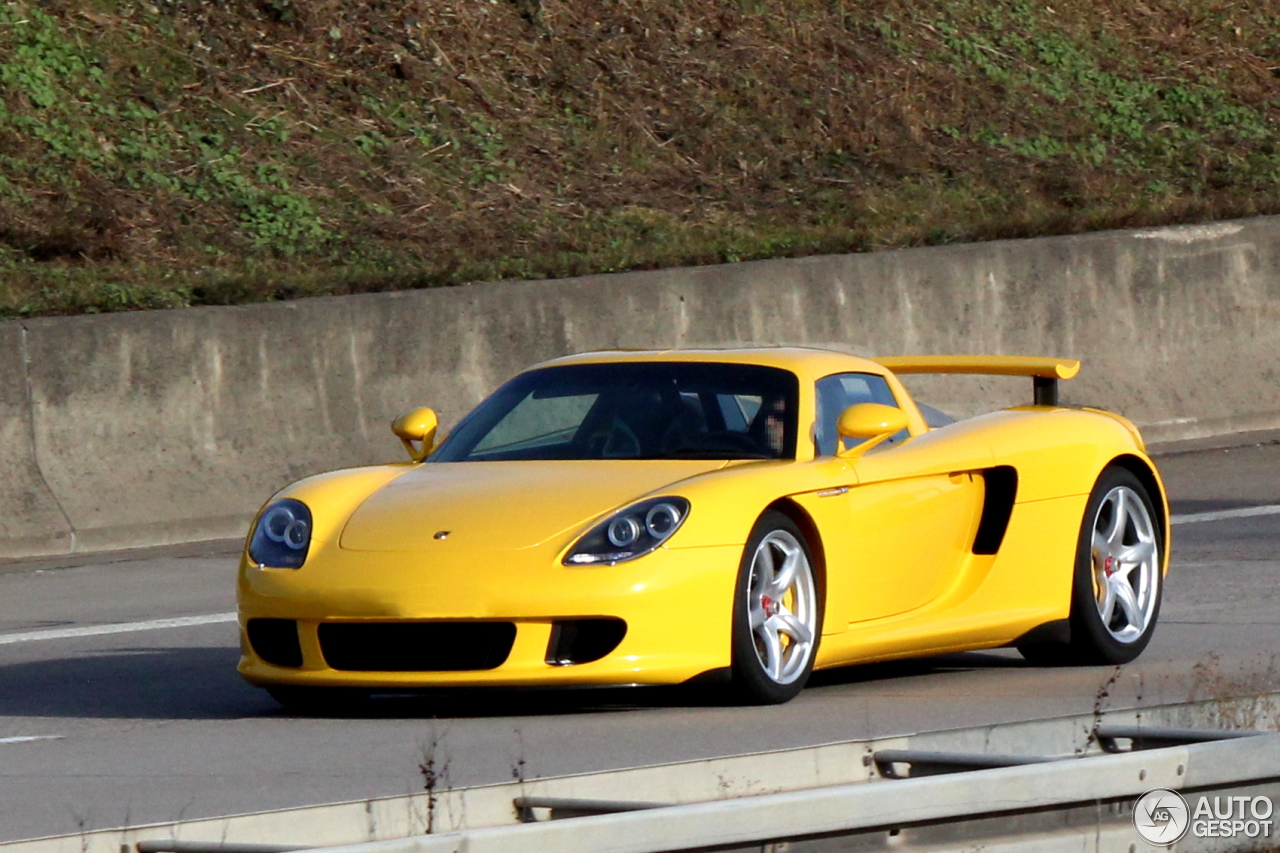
{"points": [[633, 410]]}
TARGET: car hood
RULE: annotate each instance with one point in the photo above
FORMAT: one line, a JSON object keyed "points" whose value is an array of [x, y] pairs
{"points": [[504, 505]]}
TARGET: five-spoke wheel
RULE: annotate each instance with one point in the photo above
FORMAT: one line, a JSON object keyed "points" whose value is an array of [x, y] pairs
{"points": [[777, 613], [1125, 561], [1115, 597]]}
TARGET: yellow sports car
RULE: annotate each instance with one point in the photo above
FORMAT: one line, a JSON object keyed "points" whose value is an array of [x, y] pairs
{"points": [[743, 516]]}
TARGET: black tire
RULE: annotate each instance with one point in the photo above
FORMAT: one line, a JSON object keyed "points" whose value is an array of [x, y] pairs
{"points": [[320, 701], [802, 601], [1122, 637]]}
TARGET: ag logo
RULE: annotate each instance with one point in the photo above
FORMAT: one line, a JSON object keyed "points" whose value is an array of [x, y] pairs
{"points": [[1161, 816]]}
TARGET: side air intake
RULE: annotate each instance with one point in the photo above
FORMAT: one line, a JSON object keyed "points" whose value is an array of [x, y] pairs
{"points": [[1001, 485]]}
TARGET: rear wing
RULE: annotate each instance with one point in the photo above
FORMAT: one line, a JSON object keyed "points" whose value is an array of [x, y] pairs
{"points": [[1045, 372]]}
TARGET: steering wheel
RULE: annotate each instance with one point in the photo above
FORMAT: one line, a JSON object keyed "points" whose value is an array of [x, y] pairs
{"points": [[621, 442]]}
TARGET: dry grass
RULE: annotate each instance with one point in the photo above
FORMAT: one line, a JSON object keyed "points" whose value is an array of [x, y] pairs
{"points": [[195, 152]]}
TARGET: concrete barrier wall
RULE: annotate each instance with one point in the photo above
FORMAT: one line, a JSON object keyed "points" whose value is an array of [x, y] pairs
{"points": [[31, 522], [173, 426]]}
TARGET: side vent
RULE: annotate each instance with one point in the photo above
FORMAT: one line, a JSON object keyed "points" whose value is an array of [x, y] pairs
{"points": [[1001, 485]]}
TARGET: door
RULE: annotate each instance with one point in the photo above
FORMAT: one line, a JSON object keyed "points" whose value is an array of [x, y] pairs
{"points": [[910, 518]]}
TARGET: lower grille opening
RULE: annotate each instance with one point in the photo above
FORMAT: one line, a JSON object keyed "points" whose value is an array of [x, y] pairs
{"points": [[416, 646], [583, 640], [275, 641]]}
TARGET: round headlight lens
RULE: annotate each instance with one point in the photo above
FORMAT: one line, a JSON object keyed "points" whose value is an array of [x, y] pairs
{"points": [[282, 536], [297, 534], [662, 520], [623, 531], [276, 521], [631, 532]]}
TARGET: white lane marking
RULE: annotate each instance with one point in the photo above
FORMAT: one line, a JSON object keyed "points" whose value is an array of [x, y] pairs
{"points": [[1243, 512], [29, 738], [118, 628]]}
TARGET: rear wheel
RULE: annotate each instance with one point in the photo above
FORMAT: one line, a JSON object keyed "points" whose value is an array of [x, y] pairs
{"points": [[777, 614], [1115, 597]]}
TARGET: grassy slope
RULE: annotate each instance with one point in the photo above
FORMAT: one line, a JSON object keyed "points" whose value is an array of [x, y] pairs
{"points": [[193, 152]]}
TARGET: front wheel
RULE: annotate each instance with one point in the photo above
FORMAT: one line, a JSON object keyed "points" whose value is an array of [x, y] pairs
{"points": [[1118, 581], [777, 614]]}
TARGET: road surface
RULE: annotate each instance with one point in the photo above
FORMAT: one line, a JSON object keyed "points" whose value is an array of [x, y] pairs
{"points": [[110, 718]]}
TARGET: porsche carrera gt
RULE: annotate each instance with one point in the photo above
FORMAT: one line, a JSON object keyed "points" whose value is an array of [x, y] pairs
{"points": [[739, 516]]}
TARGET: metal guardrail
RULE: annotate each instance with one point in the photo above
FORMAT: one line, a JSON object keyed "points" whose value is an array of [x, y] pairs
{"points": [[926, 763], [213, 847], [1033, 802], [1153, 737], [565, 807], [998, 788]]}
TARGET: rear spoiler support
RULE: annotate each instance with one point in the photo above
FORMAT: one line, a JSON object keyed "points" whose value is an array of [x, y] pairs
{"points": [[1044, 372], [1045, 390]]}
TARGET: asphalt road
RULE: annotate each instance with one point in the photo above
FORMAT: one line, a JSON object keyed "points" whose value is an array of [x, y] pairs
{"points": [[108, 729]]}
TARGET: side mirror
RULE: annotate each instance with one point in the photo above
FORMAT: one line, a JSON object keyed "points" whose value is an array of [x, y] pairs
{"points": [[417, 425], [869, 424]]}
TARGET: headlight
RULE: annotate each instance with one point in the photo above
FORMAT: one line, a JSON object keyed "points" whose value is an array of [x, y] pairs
{"points": [[283, 535], [630, 533]]}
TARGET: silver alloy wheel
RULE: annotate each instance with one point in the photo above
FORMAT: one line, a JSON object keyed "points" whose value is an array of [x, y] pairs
{"points": [[1126, 564], [782, 606]]}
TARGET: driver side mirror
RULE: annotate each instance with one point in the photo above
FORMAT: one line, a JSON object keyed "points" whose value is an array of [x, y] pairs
{"points": [[869, 424], [417, 425]]}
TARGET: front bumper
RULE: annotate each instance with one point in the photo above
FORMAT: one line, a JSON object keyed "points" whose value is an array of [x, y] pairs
{"points": [[676, 605]]}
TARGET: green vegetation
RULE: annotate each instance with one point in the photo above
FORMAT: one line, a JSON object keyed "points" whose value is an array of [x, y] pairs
{"points": [[184, 152]]}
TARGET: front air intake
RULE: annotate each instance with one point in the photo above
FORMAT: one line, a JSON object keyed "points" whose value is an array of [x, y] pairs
{"points": [[583, 640], [275, 641], [416, 646]]}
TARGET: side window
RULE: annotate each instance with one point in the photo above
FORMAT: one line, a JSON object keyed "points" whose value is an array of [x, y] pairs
{"points": [[738, 410], [837, 393]]}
